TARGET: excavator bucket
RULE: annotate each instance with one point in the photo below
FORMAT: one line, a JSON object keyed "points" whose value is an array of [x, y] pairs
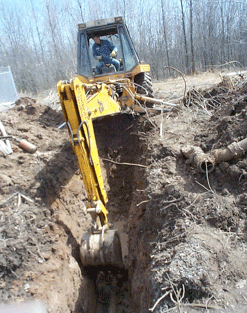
{"points": [[101, 249]]}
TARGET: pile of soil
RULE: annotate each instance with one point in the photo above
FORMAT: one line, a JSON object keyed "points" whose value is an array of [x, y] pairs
{"points": [[198, 256], [183, 232]]}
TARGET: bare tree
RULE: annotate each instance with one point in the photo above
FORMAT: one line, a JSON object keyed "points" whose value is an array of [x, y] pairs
{"points": [[165, 33], [79, 2], [186, 34], [191, 38], [185, 38]]}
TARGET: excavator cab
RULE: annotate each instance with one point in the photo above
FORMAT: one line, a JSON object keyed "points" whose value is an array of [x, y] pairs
{"points": [[132, 71], [113, 30]]}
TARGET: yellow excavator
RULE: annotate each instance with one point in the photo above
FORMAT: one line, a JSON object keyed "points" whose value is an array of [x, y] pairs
{"points": [[91, 95]]}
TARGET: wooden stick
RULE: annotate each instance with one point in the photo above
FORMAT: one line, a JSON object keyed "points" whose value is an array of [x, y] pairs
{"points": [[131, 164], [158, 301]]}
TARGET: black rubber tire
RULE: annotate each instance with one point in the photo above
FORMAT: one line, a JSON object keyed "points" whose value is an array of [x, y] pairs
{"points": [[144, 80]]}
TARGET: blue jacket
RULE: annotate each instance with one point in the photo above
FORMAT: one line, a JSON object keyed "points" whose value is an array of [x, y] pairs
{"points": [[104, 50]]}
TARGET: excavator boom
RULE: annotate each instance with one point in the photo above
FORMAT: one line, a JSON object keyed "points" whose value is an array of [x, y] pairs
{"points": [[81, 103]]}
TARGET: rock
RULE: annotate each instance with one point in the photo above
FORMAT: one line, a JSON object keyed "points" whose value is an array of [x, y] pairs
{"points": [[5, 180]]}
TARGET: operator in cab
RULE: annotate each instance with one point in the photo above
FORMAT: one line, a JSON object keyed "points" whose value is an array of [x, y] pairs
{"points": [[105, 52]]}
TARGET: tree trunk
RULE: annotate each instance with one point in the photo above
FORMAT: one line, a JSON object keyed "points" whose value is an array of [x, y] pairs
{"points": [[191, 39], [165, 34], [185, 39]]}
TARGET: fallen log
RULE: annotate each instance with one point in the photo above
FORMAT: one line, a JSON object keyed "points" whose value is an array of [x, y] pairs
{"points": [[207, 161]]}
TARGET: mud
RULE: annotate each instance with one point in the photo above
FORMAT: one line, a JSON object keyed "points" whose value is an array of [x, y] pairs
{"points": [[183, 232]]}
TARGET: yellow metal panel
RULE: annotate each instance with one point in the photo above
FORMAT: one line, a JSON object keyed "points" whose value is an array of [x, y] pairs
{"points": [[141, 68], [110, 77], [81, 153], [85, 146], [89, 135], [102, 104], [99, 104], [83, 79]]}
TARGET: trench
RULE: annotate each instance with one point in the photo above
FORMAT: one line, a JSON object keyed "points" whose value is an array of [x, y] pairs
{"points": [[111, 289], [118, 143]]}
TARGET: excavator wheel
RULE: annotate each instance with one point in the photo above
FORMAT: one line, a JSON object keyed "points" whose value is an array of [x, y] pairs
{"points": [[144, 84], [101, 249]]}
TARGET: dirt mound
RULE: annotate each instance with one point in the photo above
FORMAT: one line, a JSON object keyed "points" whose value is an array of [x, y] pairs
{"points": [[198, 257], [32, 256]]}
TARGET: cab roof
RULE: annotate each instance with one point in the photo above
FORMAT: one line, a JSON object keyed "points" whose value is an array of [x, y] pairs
{"points": [[100, 23]]}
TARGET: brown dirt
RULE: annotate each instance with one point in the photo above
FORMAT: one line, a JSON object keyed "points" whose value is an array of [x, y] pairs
{"points": [[183, 233]]}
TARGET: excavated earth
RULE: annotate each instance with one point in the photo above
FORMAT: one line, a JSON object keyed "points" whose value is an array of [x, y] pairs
{"points": [[183, 232]]}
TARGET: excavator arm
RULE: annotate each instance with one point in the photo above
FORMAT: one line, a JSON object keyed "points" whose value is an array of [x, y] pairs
{"points": [[81, 103]]}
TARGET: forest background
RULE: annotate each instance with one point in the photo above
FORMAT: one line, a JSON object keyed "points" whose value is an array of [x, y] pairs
{"points": [[38, 39]]}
